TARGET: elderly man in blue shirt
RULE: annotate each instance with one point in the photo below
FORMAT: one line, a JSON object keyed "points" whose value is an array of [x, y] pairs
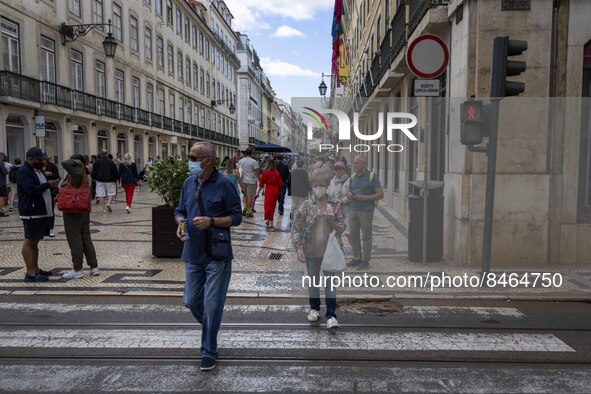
{"points": [[206, 278]]}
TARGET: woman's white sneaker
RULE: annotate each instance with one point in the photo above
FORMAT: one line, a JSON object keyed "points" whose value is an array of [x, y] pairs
{"points": [[332, 323], [95, 271], [313, 315], [72, 274]]}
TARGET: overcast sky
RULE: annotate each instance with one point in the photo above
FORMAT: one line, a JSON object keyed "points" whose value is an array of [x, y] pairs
{"points": [[292, 38]]}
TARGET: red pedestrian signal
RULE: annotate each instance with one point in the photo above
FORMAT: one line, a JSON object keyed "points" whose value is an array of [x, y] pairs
{"points": [[471, 128]]}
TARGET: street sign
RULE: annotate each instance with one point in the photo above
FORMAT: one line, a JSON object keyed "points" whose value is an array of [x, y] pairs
{"points": [[427, 56], [40, 126], [426, 88]]}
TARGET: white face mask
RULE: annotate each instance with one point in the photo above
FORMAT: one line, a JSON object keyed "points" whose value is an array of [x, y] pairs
{"points": [[319, 191]]}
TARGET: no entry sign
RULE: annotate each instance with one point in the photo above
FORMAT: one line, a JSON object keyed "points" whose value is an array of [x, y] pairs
{"points": [[427, 56]]}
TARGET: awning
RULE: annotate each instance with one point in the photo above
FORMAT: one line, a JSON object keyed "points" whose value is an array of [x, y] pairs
{"points": [[271, 148]]}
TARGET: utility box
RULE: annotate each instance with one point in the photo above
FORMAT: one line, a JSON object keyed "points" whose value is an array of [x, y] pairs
{"points": [[434, 220]]}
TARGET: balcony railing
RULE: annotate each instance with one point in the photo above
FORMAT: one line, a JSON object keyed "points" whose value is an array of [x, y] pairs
{"points": [[29, 89], [417, 10]]}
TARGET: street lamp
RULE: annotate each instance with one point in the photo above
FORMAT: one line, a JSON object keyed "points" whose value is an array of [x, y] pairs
{"points": [[71, 33], [231, 108], [322, 87]]}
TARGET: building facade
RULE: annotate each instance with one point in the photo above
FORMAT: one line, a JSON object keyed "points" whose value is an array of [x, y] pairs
{"points": [[542, 207], [153, 98]]}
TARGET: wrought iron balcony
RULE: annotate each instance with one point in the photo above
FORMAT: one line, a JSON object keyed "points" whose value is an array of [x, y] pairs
{"points": [[29, 89]]}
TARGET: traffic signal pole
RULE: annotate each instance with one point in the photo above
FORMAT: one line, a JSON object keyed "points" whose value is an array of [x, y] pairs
{"points": [[491, 171], [500, 87]]}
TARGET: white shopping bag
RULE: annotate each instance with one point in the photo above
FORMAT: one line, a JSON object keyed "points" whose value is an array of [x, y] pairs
{"points": [[334, 258]]}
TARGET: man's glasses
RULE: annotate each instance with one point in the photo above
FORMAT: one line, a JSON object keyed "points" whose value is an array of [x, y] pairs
{"points": [[198, 158]]}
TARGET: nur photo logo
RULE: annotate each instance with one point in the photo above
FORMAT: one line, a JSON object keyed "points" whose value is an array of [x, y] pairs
{"points": [[390, 121]]}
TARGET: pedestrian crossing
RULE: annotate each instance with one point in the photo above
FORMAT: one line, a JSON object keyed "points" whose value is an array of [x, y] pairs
{"points": [[283, 339], [273, 335]]}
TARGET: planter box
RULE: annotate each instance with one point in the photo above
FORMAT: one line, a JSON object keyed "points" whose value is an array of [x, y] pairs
{"points": [[165, 243]]}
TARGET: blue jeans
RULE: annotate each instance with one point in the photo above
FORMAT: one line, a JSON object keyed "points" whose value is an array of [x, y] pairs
{"points": [[314, 291], [206, 285], [282, 193]]}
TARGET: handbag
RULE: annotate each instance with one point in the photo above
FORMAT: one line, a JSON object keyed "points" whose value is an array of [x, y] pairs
{"points": [[334, 258], [72, 199], [219, 246]]}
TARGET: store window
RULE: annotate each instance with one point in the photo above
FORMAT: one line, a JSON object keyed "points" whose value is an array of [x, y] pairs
{"points": [[121, 145], [103, 140]]}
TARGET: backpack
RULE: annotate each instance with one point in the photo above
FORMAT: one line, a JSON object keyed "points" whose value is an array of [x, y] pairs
{"points": [[12, 174], [74, 199], [371, 176]]}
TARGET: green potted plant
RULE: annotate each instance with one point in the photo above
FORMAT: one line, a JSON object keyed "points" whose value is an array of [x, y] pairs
{"points": [[166, 177]]}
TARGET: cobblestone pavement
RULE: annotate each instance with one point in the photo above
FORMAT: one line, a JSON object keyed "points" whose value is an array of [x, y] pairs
{"points": [[264, 264]]}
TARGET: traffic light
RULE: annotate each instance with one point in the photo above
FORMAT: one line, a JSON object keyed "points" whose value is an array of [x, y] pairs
{"points": [[471, 129], [502, 67]]}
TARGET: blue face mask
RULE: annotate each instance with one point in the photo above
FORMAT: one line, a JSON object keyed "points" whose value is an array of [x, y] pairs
{"points": [[195, 168]]}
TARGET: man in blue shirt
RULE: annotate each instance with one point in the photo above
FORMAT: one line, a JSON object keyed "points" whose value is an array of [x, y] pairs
{"points": [[365, 189], [206, 279]]}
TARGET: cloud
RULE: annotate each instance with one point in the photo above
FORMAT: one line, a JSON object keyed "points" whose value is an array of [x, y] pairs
{"points": [[279, 68], [249, 14], [287, 32]]}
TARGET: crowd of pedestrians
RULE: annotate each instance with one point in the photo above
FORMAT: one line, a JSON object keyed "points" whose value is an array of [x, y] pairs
{"points": [[328, 198]]}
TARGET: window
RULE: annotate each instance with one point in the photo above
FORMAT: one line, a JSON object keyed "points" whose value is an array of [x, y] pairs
{"points": [[48, 68], [135, 92], [179, 64], [188, 71], [158, 7], [10, 46], [189, 112], [202, 80], [213, 88], [47, 59], [194, 36], [179, 21], [207, 85], [100, 80], [150, 97], [133, 33], [187, 29], [160, 51], [74, 7], [76, 70], [97, 12], [169, 17], [120, 86], [201, 43], [181, 109], [148, 43], [170, 59], [195, 76], [117, 22], [213, 54], [171, 105], [206, 49], [161, 101]]}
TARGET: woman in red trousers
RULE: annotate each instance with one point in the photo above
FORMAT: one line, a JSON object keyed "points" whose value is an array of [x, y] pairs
{"points": [[129, 178], [271, 181]]}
